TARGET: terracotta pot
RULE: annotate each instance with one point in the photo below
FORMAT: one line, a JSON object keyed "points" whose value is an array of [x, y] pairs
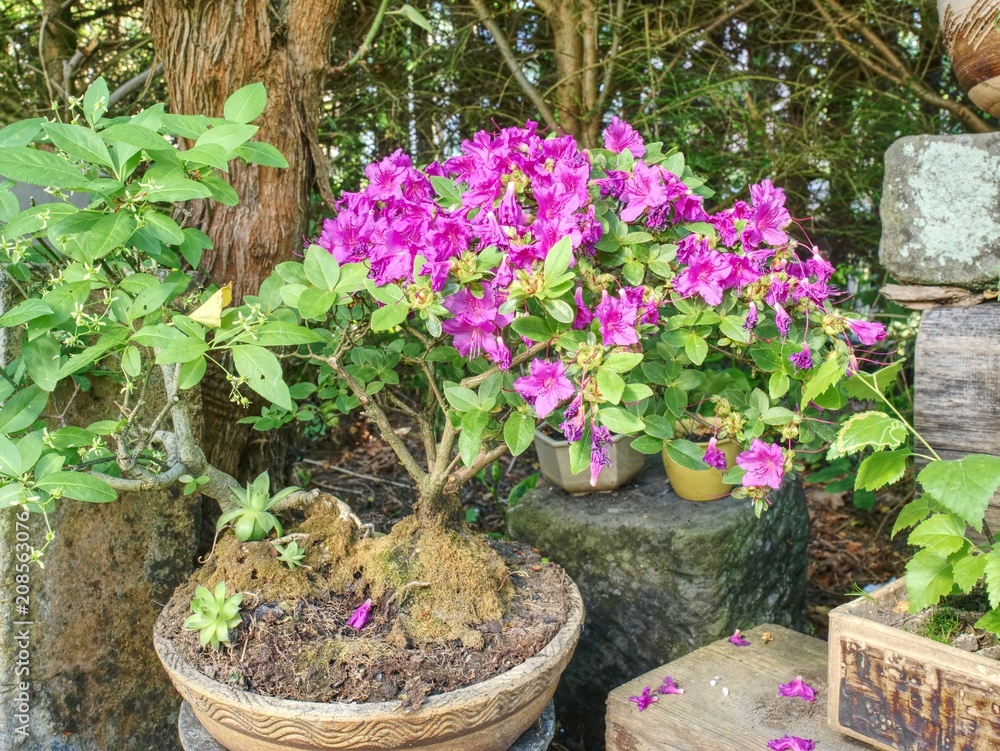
{"points": [[701, 484], [488, 716], [553, 462], [968, 28], [897, 690]]}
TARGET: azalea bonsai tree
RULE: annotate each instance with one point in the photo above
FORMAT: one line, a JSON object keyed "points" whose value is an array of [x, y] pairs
{"points": [[523, 279]]}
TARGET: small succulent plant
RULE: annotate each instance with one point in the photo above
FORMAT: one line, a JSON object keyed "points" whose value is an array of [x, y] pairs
{"points": [[291, 554], [214, 615], [252, 519]]}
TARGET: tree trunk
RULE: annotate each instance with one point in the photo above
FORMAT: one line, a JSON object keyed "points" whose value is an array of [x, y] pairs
{"points": [[209, 49], [574, 37]]}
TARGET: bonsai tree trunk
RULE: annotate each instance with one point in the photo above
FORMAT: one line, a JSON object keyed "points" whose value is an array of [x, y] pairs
{"points": [[209, 50]]}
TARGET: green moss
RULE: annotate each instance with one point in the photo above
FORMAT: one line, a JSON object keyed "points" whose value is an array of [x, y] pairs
{"points": [[253, 567]]}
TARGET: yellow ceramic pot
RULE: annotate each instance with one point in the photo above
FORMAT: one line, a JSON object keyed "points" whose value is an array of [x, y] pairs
{"points": [[704, 484]]}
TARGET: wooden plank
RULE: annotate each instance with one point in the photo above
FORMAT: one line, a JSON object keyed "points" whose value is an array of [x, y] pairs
{"points": [[705, 718], [957, 379], [898, 690], [922, 297]]}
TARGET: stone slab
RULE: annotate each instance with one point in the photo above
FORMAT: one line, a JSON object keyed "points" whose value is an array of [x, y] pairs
{"points": [[940, 210], [194, 737], [742, 710], [661, 576]]}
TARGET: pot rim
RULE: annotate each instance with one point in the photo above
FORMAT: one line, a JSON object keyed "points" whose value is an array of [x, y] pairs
{"points": [[550, 441], [564, 639]]}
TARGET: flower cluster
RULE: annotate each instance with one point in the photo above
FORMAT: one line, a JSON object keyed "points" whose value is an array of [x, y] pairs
{"points": [[583, 266]]}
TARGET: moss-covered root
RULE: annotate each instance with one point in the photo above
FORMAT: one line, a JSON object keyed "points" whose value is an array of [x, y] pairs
{"points": [[444, 582]]}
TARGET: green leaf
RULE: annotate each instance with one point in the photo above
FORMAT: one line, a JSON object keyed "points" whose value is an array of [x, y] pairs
{"points": [[557, 261], [281, 333], [78, 486], [532, 327], [96, 100], [21, 410], [222, 192], [173, 188], [610, 384], [10, 458], [110, 232], [263, 154], [229, 137], [767, 360], [164, 227], [314, 304], [321, 268], [182, 350], [470, 440], [191, 373], [262, 371], [968, 571], [389, 316], [461, 398], [623, 362], [646, 444], [777, 385], [776, 415], [79, 142], [26, 311], [686, 453], [942, 534], [881, 468], [991, 570], [136, 135], [561, 310], [22, 132], [928, 579], [37, 167], [519, 432], [732, 327], [416, 17], [695, 348], [858, 387], [636, 392], [963, 486], [246, 104], [990, 622], [827, 375], [619, 420], [41, 355], [874, 429]]}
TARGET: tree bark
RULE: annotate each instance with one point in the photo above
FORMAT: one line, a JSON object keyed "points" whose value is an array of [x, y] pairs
{"points": [[209, 49], [574, 36]]}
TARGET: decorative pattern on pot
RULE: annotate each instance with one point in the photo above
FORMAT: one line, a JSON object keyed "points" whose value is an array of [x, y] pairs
{"points": [[487, 716], [972, 39]]}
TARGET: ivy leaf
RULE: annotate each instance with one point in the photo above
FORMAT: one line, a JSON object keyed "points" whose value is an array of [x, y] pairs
{"points": [[942, 534], [881, 468], [869, 429], [913, 512], [928, 579], [963, 486]]}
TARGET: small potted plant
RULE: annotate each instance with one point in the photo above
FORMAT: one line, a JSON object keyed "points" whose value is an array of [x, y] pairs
{"points": [[520, 280]]}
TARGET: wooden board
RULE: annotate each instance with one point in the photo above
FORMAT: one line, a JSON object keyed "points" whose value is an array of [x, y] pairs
{"points": [[704, 718], [957, 379], [898, 690]]}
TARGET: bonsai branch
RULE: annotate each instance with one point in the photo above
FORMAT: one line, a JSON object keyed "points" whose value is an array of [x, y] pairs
{"points": [[486, 457], [473, 381]]}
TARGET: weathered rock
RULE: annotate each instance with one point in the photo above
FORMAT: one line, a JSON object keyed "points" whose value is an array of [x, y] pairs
{"points": [[941, 210], [661, 576]]}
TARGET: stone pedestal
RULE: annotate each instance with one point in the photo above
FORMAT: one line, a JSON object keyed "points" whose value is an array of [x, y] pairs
{"points": [[195, 738], [661, 576]]}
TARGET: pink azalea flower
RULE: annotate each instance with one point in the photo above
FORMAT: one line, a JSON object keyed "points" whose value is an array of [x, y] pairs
{"points": [[545, 386], [644, 700], [764, 464], [620, 136], [386, 178], [706, 275], [750, 322], [714, 457], [791, 743], [782, 320], [618, 319], [360, 618], [769, 218], [798, 688], [669, 687], [738, 640], [645, 190], [868, 332], [600, 441], [574, 418], [476, 324], [802, 359], [583, 314]]}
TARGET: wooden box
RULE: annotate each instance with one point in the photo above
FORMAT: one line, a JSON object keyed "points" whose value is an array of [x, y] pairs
{"points": [[898, 690]]}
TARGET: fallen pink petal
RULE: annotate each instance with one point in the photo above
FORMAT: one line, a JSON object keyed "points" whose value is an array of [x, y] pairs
{"points": [[644, 700], [669, 686], [797, 687], [791, 743], [738, 640], [360, 618]]}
